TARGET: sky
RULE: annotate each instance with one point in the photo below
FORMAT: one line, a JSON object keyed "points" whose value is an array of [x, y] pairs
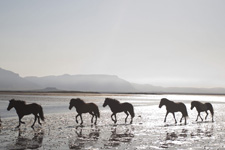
{"points": [[158, 42]]}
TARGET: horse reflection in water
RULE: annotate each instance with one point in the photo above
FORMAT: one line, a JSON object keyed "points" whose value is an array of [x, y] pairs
{"points": [[173, 107], [117, 107], [25, 142], [174, 136], [118, 137], [84, 138], [200, 107]]}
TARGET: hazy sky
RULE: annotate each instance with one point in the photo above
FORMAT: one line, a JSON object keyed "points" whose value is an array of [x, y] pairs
{"points": [[165, 43]]}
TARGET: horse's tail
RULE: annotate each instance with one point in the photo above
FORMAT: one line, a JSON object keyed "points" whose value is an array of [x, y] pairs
{"points": [[97, 112], [41, 114], [210, 107], [132, 111], [185, 113]]}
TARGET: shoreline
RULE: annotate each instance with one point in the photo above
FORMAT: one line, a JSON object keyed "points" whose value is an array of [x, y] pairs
{"points": [[83, 93]]}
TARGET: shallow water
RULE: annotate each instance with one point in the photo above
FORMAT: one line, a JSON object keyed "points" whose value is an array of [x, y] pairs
{"points": [[148, 131]]}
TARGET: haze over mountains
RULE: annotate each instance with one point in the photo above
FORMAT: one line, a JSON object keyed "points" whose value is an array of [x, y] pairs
{"points": [[10, 81]]}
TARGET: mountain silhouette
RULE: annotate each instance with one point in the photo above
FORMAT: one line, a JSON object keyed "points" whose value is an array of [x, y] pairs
{"points": [[88, 83], [10, 81]]}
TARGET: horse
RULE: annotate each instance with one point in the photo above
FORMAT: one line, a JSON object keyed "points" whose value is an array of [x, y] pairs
{"points": [[82, 107], [173, 107], [117, 107], [200, 107], [23, 109]]}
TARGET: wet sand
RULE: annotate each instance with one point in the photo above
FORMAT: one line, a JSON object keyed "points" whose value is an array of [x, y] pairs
{"points": [[148, 131]]}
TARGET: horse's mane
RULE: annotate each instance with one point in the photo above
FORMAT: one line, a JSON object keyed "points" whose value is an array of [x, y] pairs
{"points": [[195, 102], [166, 100], [113, 100], [80, 101], [19, 102]]}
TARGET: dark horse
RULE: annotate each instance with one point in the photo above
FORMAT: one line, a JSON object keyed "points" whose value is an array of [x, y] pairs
{"points": [[83, 107], [117, 107], [173, 107], [23, 109], [202, 107]]}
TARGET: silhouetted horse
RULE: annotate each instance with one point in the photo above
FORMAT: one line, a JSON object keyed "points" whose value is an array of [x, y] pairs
{"points": [[202, 107], [173, 107], [23, 109], [82, 107], [117, 107]]}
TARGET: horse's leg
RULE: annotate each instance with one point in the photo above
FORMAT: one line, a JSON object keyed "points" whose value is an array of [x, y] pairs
{"points": [[181, 118], [35, 119], [197, 117], [19, 122], [92, 114], [115, 118], [39, 120], [206, 114], [174, 117], [96, 119], [166, 116], [76, 117], [20, 117], [126, 117], [112, 117], [131, 121], [200, 115], [212, 116], [81, 120]]}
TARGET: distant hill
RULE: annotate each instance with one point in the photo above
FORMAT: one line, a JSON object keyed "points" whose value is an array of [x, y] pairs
{"points": [[146, 88], [89, 83], [10, 81]]}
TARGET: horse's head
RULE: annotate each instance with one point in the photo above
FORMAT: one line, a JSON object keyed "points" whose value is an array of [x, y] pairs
{"points": [[162, 102], [75, 102], [70, 106], [106, 102], [11, 104], [192, 104], [72, 103]]}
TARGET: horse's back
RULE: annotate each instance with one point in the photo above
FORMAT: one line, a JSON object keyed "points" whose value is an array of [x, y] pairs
{"points": [[126, 104], [93, 105], [178, 106], [34, 107]]}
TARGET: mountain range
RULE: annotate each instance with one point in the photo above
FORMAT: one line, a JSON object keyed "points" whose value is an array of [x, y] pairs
{"points": [[10, 81]]}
